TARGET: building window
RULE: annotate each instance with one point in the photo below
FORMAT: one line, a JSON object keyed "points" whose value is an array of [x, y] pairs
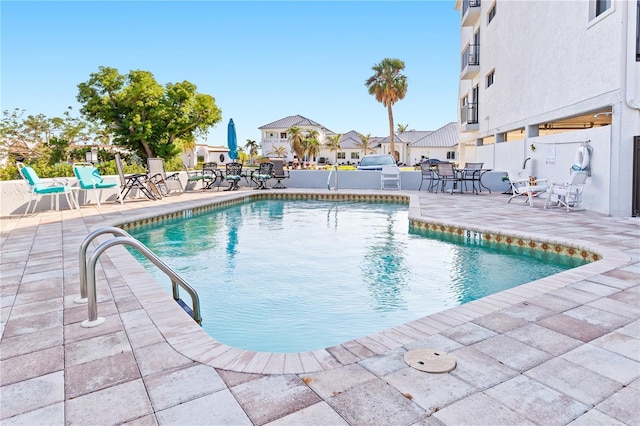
{"points": [[355, 155], [491, 78], [602, 6], [283, 135], [342, 155], [492, 13], [451, 155]]}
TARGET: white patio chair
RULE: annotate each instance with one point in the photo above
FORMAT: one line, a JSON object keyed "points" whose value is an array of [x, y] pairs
{"points": [[390, 177], [567, 194], [524, 185]]}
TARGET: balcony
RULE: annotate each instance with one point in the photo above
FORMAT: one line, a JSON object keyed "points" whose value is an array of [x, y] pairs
{"points": [[469, 117], [470, 12], [470, 62]]}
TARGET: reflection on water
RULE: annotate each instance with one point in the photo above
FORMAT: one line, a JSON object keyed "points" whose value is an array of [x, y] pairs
{"points": [[384, 269], [289, 276]]}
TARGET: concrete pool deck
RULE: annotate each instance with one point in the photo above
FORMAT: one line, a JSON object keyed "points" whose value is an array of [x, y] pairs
{"points": [[562, 350]]}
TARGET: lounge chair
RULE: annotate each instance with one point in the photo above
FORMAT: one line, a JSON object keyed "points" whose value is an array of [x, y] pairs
{"points": [[262, 175], [390, 177], [159, 178], [233, 174], [89, 178], [135, 181], [525, 185], [38, 188], [279, 173], [567, 194]]}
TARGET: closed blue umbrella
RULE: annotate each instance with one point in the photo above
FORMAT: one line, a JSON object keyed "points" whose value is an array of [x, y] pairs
{"points": [[232, 140]]}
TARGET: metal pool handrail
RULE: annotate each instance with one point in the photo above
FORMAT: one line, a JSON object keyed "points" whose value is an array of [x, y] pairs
{"points": [[335, 166], [82, 256], [176, 280]]}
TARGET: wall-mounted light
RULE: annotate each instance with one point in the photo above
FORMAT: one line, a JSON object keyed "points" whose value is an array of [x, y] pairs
{"points": [[91, 156]]}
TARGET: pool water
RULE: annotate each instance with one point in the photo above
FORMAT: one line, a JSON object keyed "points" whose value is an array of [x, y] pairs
{"points": [[293, 276]]}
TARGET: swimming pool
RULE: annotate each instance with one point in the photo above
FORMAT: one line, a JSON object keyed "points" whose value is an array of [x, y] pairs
{"points": [[292, 276]]}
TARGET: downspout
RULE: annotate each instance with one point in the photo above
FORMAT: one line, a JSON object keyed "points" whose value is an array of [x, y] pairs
{"points": [[628, 63]]}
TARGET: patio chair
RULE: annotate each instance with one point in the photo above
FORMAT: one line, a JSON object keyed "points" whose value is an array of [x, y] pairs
{"points": [[471, 173], [262, 175], [135, 181], [193, 177], [89, 178], [38, 188], [390, 177], [446, 172], [567, 194], [427, 172], [525, 185], [211, 173], [279, 173], [233, 174], [159, 178]]}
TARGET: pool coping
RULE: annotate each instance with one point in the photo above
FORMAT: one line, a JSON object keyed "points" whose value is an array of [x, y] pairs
{"points": [[190, 340]]}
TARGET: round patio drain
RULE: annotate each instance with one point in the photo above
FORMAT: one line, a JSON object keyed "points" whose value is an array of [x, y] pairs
{"points": [[430, 360]]}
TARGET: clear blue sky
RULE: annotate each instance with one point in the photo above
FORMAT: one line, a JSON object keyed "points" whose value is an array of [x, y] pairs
{"points": [[261, 61]]}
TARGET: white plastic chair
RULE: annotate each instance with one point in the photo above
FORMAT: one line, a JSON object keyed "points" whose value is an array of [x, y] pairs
{"points": [[522, 185], [567, 194], [390, 177]]}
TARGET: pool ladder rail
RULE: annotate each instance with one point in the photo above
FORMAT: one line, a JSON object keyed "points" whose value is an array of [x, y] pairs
{"points": [[334, 167], [88, 273]]}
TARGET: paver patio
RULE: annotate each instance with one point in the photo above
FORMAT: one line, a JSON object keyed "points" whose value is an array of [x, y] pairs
{"points": [[562, 350]]}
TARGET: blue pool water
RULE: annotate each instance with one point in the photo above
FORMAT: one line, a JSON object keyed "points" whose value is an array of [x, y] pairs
{"points": [[291, 276]]}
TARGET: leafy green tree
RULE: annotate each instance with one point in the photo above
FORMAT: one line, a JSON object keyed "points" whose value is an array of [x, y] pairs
{"points": [[402, 128], [144, 116], [389, 86], [39, 137], [365, 144], [333, 145], [296, 138], [252, 147]]}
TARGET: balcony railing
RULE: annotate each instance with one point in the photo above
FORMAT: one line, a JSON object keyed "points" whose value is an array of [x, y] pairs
{"points": [[466, 4], [470, 12], [470, 56], [469, 113]]}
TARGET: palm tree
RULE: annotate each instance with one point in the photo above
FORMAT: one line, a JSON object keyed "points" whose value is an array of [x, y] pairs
{"points": [[252, 147], [402, 128], [333, 145], [311, 144], [296, 137], [364, 144], [280, 151], [388, 85], [313, 147]]}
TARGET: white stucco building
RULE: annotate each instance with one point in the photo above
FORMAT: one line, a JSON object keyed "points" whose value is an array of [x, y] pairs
{"points": [[411, 146], [540, 78]]}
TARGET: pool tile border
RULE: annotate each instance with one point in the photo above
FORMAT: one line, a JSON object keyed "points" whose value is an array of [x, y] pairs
{"points": [[193, 342]]}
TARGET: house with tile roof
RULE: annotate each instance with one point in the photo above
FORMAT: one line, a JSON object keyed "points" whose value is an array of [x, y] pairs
{"points": [[274, 134], [412, 146]]}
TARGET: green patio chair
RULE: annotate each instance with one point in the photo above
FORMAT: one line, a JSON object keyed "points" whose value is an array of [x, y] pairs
{"points": [[38, 188], [89, 178]]}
